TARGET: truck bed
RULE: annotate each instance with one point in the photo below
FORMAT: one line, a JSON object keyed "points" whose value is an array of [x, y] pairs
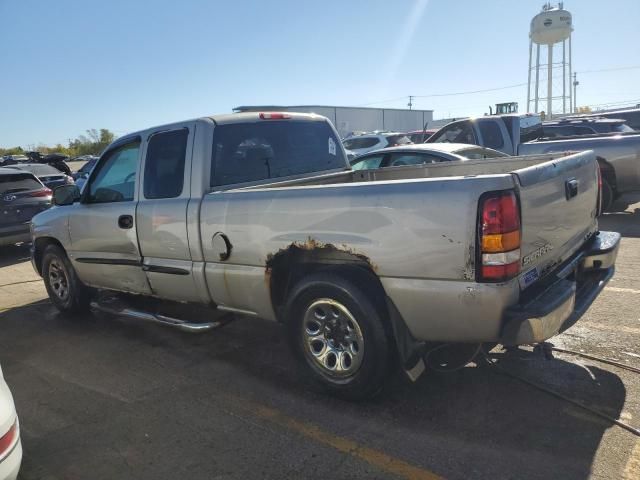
{"points": [[494, 166]]}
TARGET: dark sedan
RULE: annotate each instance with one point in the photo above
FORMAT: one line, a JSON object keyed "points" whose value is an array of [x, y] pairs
{"points": [[22, 196], [50, 176]]}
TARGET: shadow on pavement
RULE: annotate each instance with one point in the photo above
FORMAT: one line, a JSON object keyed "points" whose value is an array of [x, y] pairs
{"points": [[13, 254], [625, 222], [111, 378]]}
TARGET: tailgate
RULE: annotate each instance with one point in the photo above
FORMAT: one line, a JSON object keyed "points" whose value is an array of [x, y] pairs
{"points": [[558, 201]]}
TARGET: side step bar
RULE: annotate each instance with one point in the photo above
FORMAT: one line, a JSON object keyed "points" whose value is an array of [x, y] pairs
{"points": [[121, 310]]}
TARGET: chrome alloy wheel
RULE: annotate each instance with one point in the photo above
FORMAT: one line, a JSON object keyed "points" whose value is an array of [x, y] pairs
{"points": [[58, 279], [332, 338]]}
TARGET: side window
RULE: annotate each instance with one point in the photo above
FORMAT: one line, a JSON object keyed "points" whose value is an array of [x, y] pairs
{"points": [[399, 159], [491, 134], [115, 178], [456, 133], [164, 166], [368, 163]]}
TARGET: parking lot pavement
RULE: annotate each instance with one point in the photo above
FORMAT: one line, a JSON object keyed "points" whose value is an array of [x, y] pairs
{"points": [[106, 398]]}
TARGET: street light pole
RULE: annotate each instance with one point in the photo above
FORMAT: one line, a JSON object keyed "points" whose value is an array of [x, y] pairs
{"points": [[575, 84]]}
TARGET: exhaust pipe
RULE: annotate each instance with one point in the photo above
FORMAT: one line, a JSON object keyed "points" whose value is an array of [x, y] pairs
{"points": [[185, 326]]}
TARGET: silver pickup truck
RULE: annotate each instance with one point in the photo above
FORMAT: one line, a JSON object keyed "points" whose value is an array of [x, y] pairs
{"points": [[260, 214], [618, 154]]}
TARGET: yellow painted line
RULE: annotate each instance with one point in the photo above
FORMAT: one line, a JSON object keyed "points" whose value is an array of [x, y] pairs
{"points": [[622, 290], [632, 469], [378, 459]]}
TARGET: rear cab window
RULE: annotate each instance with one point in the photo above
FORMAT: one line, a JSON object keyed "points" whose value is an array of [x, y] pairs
{"points": [[271, 149]]}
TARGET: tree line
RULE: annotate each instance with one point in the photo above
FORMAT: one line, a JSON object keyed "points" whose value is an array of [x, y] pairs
{"points": [[91, 143]]}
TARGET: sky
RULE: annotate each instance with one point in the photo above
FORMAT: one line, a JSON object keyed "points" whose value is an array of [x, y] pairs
{"points": [[71, 65]]}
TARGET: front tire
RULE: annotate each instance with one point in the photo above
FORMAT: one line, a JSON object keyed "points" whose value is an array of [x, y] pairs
{"points": [[338, 333], [67, 293]]}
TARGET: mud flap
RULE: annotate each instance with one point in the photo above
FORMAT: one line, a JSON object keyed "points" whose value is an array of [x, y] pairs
{"points": [[410, 350]]}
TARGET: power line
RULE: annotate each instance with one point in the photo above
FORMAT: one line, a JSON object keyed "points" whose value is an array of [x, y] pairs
{"points": [[613, 69], [471, 91]]}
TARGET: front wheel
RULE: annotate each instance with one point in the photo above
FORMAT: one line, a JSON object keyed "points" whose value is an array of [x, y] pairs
{"points": [[338, 333], [66, 291]]}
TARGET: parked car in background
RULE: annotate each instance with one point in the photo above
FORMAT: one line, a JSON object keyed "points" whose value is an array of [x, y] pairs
{"points": [[51, 177], [367, 142], [568, 127], [10, 444], [423, 153], [12, 159], [83, 172], [421, 136], [631, 116], [22, 196], [260, 214], [618, 154]]}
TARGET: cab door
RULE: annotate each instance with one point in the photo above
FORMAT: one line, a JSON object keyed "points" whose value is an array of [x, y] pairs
{"points": [[162, 214], [104, 244]]}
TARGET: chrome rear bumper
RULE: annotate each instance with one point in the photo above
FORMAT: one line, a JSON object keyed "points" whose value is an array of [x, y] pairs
{"points": [[563, 302]]}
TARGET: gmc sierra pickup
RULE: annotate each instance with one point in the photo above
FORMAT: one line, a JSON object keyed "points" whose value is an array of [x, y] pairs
{"points": [[260, 214], [618, 154]]}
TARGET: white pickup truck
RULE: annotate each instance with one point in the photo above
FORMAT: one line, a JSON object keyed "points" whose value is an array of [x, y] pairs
{"points": [[260, 214]]}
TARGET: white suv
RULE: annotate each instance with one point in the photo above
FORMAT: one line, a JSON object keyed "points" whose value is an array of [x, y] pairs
{"points": [[361, 144]]}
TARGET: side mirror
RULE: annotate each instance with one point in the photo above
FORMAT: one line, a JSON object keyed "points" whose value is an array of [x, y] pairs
{"points": [[66, 195]]}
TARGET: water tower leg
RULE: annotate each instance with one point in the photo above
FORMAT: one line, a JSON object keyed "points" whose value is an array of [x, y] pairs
{"points": [[549, 80], [564, 78], [571, 106], [537, 96], [529, 78]]}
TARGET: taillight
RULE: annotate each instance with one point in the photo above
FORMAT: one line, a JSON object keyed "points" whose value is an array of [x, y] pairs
{"points": [[7, 439], [274, 116], [599, 200], [44, 192], [499, 237]]}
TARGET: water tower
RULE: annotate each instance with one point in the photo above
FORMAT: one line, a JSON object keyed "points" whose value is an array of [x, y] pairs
{"points": [[551, 28]]}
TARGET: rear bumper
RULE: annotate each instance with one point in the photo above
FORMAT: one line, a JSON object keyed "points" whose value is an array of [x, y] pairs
{"points": [[560, 304], [15, 234]]}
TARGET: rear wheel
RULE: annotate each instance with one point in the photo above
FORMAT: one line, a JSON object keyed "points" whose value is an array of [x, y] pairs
{"points": [[65, 289], [338, 333], [607, 195]]}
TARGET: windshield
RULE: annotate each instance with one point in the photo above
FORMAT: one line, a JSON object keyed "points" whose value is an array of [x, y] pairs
{"points": [[479, 153], [20, 182], [622, 128]]}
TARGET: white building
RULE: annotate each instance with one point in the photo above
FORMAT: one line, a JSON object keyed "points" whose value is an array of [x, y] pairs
{"points": [[357, 119]]}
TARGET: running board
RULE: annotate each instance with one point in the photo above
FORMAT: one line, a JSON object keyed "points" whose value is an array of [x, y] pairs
{"points": [[121, 310]]}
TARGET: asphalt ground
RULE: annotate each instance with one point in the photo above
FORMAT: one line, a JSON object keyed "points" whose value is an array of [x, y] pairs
{"points": [[106, 398]]}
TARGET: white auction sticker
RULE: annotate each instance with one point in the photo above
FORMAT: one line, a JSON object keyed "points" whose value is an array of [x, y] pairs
{"points": [[332, 147]]}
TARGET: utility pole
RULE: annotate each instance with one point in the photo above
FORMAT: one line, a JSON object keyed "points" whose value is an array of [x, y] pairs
{"points": [[575, 84], [410, 104]]}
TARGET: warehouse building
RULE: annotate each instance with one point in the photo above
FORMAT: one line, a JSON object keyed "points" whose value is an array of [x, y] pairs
{"points": [[348, 120]]}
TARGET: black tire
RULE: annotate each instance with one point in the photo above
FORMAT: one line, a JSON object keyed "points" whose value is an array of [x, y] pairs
{"points": [[66, 291], [607, 196], [373, 357]]}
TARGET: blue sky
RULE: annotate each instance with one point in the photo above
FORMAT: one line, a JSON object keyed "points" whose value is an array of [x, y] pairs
{"points": [[70, 65]]}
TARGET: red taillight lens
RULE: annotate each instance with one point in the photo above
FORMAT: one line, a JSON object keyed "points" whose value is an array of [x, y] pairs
{"points": [[45, 192], [274, 116], [500, 214], [7, 439], [499, 237], [599, 200]]}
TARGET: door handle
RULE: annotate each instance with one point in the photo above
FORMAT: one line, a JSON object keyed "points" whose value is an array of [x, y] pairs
{"points": [[125, 221]]}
